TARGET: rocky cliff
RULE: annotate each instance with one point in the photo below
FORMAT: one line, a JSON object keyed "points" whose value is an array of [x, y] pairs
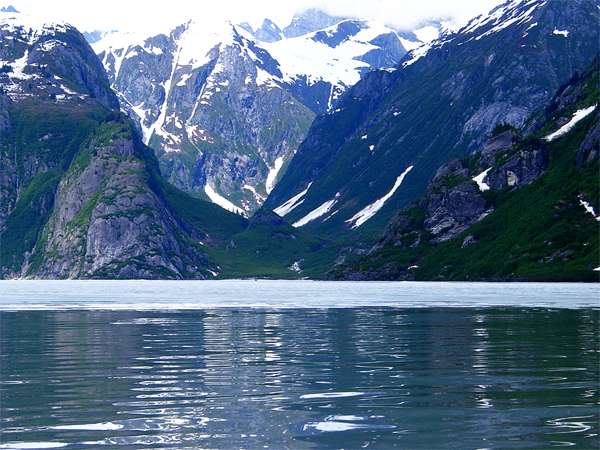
{"points": [[82, 196], [226, 107]]}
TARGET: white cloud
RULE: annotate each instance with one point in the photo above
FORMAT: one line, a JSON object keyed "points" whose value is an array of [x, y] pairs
{"points": [[154, 14]]}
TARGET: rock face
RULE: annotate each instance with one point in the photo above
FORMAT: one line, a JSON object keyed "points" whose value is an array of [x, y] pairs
{"points": [[226, 108], [309, 21], [109, 223], [82, 196], [451, 211], [442, 102], [454, 200]]}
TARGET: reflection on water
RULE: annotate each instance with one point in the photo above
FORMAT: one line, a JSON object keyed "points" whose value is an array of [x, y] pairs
{"points": [[300, 378]]}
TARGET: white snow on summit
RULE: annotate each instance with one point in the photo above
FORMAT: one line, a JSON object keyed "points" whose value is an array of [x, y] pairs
{"points": [[303, 56], [503, 16], [427, 34], [34, 27]]}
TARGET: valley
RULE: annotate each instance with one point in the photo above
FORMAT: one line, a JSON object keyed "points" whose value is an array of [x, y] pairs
{"points": [[334, 148]]}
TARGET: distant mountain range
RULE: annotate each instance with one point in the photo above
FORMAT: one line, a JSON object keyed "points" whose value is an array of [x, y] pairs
{"points": [[475, 157], [226, 107]]}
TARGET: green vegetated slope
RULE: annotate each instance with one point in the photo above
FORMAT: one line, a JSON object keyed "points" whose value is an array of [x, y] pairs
{"points": [[267, 248], [81, 195], [537, 231], [443, 105], [39, 148], [97, 206]]}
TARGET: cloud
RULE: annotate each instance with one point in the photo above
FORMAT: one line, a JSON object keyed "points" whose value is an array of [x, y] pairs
{"points": [[407, 14], [158, 14]]}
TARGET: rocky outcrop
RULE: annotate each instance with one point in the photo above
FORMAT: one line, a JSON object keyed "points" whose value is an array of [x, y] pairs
{"points": [[308, 21], [109, 223], [588, 152], [454, 201], [452, 211]]}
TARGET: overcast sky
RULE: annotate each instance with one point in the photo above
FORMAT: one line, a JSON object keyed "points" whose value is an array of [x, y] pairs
{"points": [[153, 14]]}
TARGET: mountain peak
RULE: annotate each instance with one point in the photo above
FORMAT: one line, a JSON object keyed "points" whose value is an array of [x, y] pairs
{"points": [[9, 9], [309, 21], [268, 32]]}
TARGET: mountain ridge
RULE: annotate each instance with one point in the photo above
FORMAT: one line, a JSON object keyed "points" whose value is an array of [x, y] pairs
{"points": [[226, 112], [442, 102]]}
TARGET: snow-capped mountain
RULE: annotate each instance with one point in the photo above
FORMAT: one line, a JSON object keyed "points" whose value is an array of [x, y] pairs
{"points": [[225, 111], [81, 195], [379, 147], [31, 47]]}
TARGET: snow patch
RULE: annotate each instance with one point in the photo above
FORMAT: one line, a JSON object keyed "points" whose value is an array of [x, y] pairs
{"points": [[427, 34], [498, 17], [296, 267], [577, 116], [564, 33], [184, 79], [257, 196], [410, 45], [306, 57], [272, 177], [365, 214], [417, 54], [291, 203], [49, 45], [315, 214], [479, 180], [222, 202], [589, 208], [18, 66]]}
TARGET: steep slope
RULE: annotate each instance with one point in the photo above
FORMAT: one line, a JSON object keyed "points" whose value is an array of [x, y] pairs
{"points": [[524, 208], [226, 112], [81, 195], [380, 147]]}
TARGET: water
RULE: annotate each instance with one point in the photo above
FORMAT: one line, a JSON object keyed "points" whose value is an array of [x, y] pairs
{"points": [[298, 365]]}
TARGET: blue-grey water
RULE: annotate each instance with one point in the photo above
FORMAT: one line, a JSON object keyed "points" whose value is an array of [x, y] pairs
{"points": [[298, 365]]}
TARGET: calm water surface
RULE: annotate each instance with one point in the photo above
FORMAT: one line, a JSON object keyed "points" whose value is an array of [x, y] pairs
{"points": [[253, 365]]}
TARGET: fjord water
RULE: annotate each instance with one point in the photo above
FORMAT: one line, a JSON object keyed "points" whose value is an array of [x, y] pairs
{"points": [[298, 365]]}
